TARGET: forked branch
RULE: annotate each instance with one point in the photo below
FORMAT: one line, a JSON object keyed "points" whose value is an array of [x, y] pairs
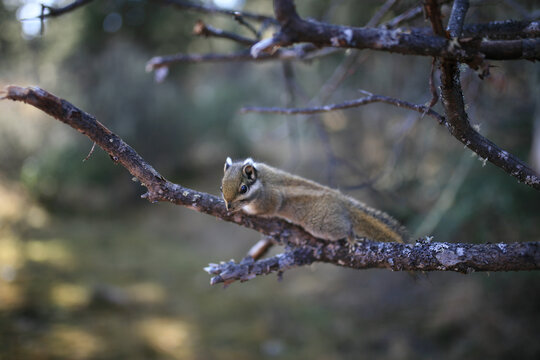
{"points": [[301, 247]]}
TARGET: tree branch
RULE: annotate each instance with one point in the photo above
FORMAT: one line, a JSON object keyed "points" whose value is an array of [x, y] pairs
{"points": [[508, 29], [347, 105], [406, 16], [300, 52], [202, 29], [457, 18], [159, 189], [57, 11], [206, 9], [421, 256], [305, 248], [295, 29], [457, 119]]}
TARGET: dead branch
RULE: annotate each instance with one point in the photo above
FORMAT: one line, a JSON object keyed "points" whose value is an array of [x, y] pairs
{"points": [[379, 14], [302, 248], [205, 30], [410, 14], [457, 119], [212, 10], [421, 256], [457, 17], [347, 105], [159, 189], [57, 11], [294, 29], [300, 52]]}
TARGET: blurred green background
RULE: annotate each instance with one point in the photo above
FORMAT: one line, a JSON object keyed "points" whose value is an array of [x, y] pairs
{"points": [[88, 270]]}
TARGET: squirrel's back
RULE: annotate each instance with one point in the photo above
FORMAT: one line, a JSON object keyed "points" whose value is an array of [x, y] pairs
{"points": [[263, 190]]}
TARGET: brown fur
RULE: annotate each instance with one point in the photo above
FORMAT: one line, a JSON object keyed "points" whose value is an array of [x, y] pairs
{"points": [[323, 212]]}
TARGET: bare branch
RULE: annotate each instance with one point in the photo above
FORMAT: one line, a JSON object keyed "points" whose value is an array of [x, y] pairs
{"points": [[401, 18], [239, 19], [206, 9], [433, 13], [262, 246], [422, 256], [347, 105], [159, 189], [379, 14], [295, 30], [457, 119], [457, 18], [203, 29], [300, 52], [508, 29], [432, 87], [305, 248], [57, 11]]}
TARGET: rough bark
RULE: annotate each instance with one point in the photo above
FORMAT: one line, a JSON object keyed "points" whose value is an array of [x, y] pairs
{"points": [[294, 29], [301, 247]]}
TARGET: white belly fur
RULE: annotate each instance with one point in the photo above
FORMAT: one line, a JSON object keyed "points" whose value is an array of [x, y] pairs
{"points": [[249, 209]]}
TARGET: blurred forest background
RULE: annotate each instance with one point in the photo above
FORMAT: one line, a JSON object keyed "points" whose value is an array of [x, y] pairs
{"points": [[88, 270]]}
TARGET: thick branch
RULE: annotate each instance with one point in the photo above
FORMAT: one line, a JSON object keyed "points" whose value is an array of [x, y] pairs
{"points": [[422, 256], [508, 29], [159, 189], [457, 119], [305, 248], [295, 29]]}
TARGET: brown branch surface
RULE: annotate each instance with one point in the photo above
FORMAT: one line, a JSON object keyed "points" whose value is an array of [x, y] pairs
{"points": [[306, 248]]}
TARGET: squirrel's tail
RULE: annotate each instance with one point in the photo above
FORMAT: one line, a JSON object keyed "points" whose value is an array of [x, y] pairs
{"points": [[377, 225]]}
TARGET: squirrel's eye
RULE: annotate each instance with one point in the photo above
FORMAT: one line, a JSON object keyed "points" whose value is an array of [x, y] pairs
{"points": [[243, 189], [221, 188]]}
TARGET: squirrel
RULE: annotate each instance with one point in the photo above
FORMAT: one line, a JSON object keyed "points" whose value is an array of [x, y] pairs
{"points": [[326, 213]]}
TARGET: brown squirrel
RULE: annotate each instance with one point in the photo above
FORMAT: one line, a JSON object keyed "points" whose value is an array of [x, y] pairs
{"points": [[259, 189]]}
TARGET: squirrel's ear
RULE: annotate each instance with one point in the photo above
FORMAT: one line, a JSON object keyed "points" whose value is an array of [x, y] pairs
{"points": [[249, 170], [228, 164]]}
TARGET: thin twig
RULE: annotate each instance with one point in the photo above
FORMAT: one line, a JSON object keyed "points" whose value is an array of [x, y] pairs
{"points": [[91, 152], [262, 246], [432, 87], [410, 14], [213, 10], [203, 29], [240, 19], [346, 105], [57, 11], [379, 14]]}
